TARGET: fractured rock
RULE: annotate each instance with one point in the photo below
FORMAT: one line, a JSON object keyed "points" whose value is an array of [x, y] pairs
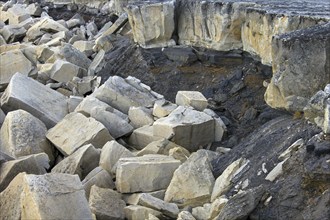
{"points": [[202, 212], [73, 102], [48, 105], [74, 56], [63, 71], [194, 99], [162, 108], [12, 33], [137, 212], [140, 116], [97, 64], [326, 126], [185, 215], [17, 14], [85, 47], [2, 117], [133, 199], [143, 136], [34, 10], [76, 130], [141, 174]]}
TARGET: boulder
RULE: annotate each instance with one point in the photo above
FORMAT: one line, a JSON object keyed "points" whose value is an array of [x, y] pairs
{"points": [[133, 199], [2, 117], [111, 153], [140, 116], [141, 174], [74, 56], [48, 196], [97, 64], [106, 203], [193, 181], [326, 126], [143, 136], [137, 212], [63, 71], [76, 130], [47, 105], [216, 207], [84, 46], [148, 31], [12, 33], [81, 162], [194, 99], [162, 108], [186, 127], [17, 14], [86, 84], [12, 62], [73, 102], [23, 134], [219, 126], [185, 215], [202, 212], [33, 164]]}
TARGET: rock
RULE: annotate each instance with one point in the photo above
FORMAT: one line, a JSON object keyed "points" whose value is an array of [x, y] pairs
{"points": [[136, 212], [75, 130], [140, 116], [116, 125], [85, 107], [2, 117], [12, 62], [133, 199], [141, 18], [63, 71], [316, 106], [98, 177], [163, 108], [179, 153], [17, 14], [185, 215], [4, 158], [74, 56], [48, 105], [277, 171], [241, 204], [191, 98], [141, 174], [97, 64], [192, 182], [111, 153], [216, 207], [48, 196], [33, 164], [22, 134], [219, 126], [122, 94], [106, 203], [202, 212], [293, 147], [84, 46], [12, 33], [143, 136], [81, 162], [86, 84], [34, 10], [326, 126], [180, 54], [91, 29], [169, 209], [73, 102], [186, 127]]}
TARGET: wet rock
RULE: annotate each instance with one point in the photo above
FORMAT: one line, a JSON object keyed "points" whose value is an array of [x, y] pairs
{"points": [[136, 212], [45, 196], [106, 203], [48, 105], [23, 134], [191, 98], [143, 136], [76, 130], [81, 162], [63, 71], [141, 174], [140, 116]]}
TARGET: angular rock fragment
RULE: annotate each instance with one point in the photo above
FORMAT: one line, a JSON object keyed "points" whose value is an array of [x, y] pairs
{"points": [[17, 14], [326, 126], [143, 136], [48, 105], [191, 98], [141, 174], [12, 33], [185, 215], [202, 212], [137, 212], [74, 56], [76, 130], [133, 199], [73, 102], [140, 116], [106, 203], [97, 64], [163, 108], [34, 10], [63, 71], [2, 117], [85, 47]]}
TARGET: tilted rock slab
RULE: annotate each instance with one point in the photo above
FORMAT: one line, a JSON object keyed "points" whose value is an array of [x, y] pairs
{"points": [[76, 130], [42, 102], [194, 99]]}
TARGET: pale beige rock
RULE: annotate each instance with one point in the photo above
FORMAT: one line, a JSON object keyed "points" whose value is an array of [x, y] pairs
{"points": [[17, 14], [48, 105], [137, 212], [33, 164], [326, 125], [23, 134], [76, 130], [293, 147], [186, 127], [185, 215], [216, 207], [202, 212], [71, 54], [48, 196], [179, 153], [219, 126], [143, 136], [133, 198], [141, 174], [106, 203], [162, 108], [63, 71], [85, 107], [34, 10], [81, 162], [140, 116], [194, 99], [12, 33], [85, 47]]}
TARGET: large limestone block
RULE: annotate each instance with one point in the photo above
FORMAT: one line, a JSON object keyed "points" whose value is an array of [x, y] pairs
{"points": [[81, 162], [152, 23], [49, 196], [143, 136], [12, 62], [111, 153], [17, 14], [194, 99], [163, 108], [122, 94], [140, 116], [142, 174], [76, 130], [23, 134], [42, 102], [137, 212], [63, 71], [186, 127], [300, 65], [33, 164], [106, 204], [85, 47], [192, 182]]}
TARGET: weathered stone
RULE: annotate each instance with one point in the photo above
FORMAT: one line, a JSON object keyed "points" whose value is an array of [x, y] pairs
{"points": [[316, 106], [106, 203], [179, 153], [12, 33], [141, 174], [63, 71], [276, 171], [85, 47], [216, 207], [33, 164], [163, 108], [133, 199], [143, 136], [12, 62], [85, 107], [81, 162], [48, 105], [122, 94], [116, 125], [326, 126], [86, 84], [34, 10], [191, 98], [73, 102], [185, 215], [140, 116], [202, 212], [91, 29], [17, 14], [293, 147], [2, 117], [219, 126], [111, 153], [74, 56], [186, 127], [148, 31], [5, 157], [98, 177], [169, 209], [180, 54], [137, 212], [49, 196], [76, 130], [97, 64], [23, 134], [192, 182]]}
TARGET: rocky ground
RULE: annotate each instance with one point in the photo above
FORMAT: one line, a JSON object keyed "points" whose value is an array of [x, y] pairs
{"points": [[98, 123]]}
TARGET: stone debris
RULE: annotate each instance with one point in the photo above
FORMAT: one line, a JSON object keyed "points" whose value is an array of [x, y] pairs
{"points": [[63, 71], [162, 108], [143, 136], [191, 98], [185, 215], [140, 116], [136, 212]]}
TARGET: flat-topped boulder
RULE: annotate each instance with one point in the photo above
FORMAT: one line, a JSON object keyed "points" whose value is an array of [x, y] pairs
{"points": [[42, 102], [193, 99]]}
